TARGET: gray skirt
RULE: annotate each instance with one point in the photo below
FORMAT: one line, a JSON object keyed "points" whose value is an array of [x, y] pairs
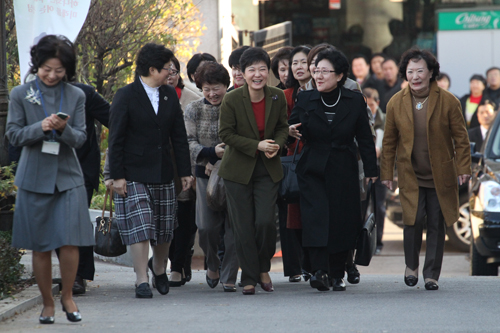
{"points": [[44, 222]]}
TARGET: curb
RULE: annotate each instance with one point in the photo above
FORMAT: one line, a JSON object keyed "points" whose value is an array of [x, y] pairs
{"points": [[22, 301]]}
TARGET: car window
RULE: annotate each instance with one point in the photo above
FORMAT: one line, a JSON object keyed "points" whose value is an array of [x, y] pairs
{"points": [[495, 139]]}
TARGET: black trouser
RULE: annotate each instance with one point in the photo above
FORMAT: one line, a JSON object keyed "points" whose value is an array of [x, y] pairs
{"points": [[380, 194], [428, 205], [333, 263], [290, 245], [252, 214], [86, 266], [182, 235]]}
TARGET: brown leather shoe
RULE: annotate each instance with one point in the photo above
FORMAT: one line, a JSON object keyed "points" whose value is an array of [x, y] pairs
{"points": [[250, 291], [267, 286], [79, 286]]}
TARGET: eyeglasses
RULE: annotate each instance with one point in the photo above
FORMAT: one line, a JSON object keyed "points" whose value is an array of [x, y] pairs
{"points": [[173, 72], [325, 72]]}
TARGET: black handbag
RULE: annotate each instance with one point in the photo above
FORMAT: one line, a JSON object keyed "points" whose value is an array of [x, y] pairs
{"points": [[289, 186], [367, 239], [108, 242]]}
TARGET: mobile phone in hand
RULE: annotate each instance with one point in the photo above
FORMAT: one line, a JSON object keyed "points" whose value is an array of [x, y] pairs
{"points": [[62, 115]]}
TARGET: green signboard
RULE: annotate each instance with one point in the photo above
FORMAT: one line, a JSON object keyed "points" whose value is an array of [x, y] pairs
{"points": [[472, 20]]}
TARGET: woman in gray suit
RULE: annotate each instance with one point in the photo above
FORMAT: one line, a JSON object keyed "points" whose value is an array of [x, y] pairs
{"points": [[47, 118]]}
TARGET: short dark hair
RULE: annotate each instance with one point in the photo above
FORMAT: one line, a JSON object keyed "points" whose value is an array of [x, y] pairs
{"points": [[492, 69], [253, 55], [338, 61], [195, 61], [371, 93], [378, 54], [417, 54], [152, 55], [234, 58], [478, 77], [317, 49], [282, 54], [180, 82], [212, 73], [488, 102], [362, 56], [443, 75], [291, 81], [386, 59], [54, 46]]}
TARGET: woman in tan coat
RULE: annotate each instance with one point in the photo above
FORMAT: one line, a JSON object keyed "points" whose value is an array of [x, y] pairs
{"points": [[425, 131]]}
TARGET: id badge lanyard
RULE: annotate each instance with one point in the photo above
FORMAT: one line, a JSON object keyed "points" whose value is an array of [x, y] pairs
{"points": [[43, 105]]}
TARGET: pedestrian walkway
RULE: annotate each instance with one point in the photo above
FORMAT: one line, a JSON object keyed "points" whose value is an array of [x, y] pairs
{"points": [[380, 303]]}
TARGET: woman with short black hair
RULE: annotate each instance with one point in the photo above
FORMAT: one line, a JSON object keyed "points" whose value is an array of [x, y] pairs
{"points": [[206, 148], [329, 119], [280, 64], [470, 101], [184, 235], [47, 119], [253, 126], [145, 121], [234, 64], [196, 61]]}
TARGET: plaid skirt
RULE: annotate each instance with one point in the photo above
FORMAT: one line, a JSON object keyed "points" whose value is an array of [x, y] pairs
{"points": [[148, 212]]}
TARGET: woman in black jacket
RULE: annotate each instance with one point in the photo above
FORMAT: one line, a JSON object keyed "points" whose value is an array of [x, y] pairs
{"points": [[145, 119], [330, 118]]}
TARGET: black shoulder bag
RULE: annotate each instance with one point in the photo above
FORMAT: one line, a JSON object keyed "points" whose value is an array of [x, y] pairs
{"points": [[367, 239], [108, 242], [289, 187]]}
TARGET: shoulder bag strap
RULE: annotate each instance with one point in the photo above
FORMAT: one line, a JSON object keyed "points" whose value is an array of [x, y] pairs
{"points": [[296, 150]]}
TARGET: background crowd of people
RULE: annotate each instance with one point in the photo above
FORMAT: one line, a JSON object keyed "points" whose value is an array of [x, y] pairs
{"points": [[167, 136]]}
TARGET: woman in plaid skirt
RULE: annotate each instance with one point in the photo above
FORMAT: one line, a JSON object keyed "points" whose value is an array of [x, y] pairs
{"points": [[145, 119]]}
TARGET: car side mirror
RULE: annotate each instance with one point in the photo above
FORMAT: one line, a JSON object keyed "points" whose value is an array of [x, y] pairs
{"points": [[475, 156]]}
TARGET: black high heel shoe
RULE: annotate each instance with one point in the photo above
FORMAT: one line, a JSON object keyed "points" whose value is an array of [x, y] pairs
{"points": [[46, 319], [72, 316], [212, 283]]}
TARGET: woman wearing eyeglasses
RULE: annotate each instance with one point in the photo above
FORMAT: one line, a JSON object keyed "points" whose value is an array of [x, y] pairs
{"points": [[145, 121], [328, 119], [180, 267]]}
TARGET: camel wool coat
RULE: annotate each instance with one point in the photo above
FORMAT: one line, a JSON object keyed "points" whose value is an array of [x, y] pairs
{"points": [[449, 150]]}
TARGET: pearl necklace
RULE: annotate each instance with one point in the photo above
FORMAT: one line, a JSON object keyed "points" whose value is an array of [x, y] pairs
{"points": [[331, 106], [420, 105]]}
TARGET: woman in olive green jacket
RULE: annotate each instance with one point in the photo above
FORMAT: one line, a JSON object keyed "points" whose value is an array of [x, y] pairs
{"points": [[253, 125]]}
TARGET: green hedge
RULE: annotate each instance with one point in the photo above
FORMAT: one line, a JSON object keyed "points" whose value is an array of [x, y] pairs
{"points": [[11, 270]]}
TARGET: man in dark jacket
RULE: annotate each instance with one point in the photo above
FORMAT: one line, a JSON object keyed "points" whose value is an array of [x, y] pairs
{"points": [[89, 155], [392, 83], [485, 116], [492, 92]]}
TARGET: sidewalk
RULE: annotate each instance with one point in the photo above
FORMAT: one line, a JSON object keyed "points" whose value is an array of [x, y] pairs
{"points": [[380, 303], [112, 292]]}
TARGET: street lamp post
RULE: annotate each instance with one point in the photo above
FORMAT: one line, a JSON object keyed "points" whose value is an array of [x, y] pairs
{"points": [[4, 92]]}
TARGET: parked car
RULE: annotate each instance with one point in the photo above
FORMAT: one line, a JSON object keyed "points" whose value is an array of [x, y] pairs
{"points": [[484, 198], [459, 235]]}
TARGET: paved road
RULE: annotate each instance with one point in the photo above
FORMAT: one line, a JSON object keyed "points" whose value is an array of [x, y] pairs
{"points": [[380, 303]]}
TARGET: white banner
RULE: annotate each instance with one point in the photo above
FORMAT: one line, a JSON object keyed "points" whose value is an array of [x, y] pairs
{"points": [[37, 18]]}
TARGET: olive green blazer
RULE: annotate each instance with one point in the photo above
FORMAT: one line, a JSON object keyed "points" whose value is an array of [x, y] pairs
{"points": [[238, 130]]}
